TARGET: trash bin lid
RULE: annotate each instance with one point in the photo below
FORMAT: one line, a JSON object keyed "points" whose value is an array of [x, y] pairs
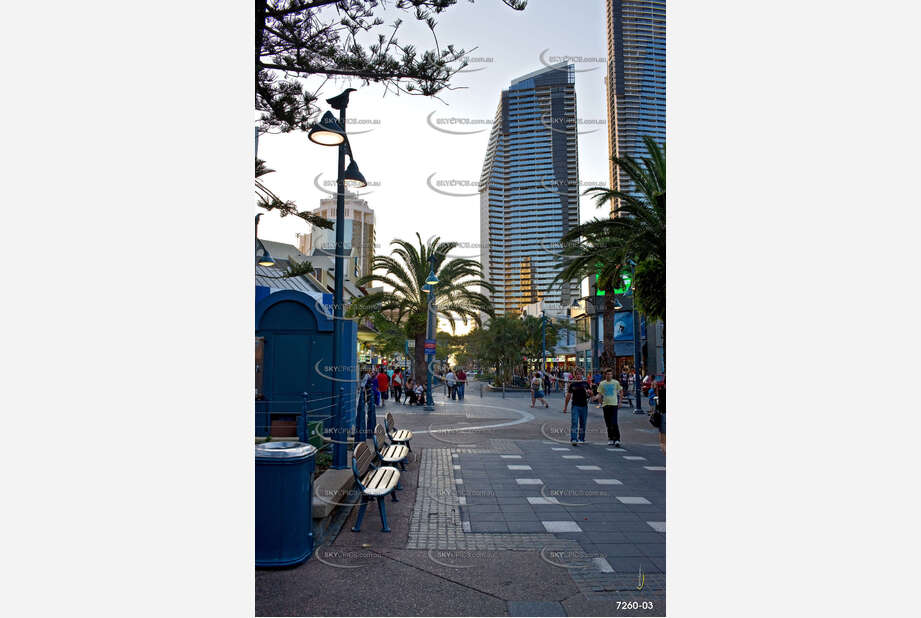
{"points": [[284, 450]]}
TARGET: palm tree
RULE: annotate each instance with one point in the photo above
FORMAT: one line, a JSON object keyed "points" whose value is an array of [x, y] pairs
{"points": [[500, 344], [405, 271], [634, 231]]}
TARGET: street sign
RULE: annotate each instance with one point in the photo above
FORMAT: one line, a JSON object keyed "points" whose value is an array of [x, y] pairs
{"points": [[625, 277], [430, 345]]}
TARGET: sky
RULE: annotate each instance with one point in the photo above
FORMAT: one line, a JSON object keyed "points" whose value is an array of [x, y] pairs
{"points": [[398, 149]]}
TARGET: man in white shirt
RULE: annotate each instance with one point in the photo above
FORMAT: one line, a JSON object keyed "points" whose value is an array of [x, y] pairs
{"points": [[451, 381]]}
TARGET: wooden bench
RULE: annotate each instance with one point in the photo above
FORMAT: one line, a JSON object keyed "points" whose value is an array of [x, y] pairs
{"points": [[389, 454], [398, 436], [377, 482]]}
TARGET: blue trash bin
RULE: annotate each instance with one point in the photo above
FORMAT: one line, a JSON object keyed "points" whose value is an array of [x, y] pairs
{"points": [[284, 503]]}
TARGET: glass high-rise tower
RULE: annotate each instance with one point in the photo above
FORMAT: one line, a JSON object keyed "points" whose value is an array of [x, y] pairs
{"points": [[529, 190], [635, 79]]}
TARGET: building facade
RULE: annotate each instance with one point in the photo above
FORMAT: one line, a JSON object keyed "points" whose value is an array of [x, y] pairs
{"points": [[635, 80], [359, 234], [529, 190]]}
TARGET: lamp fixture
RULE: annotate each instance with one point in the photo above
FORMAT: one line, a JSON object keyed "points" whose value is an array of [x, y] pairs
{"points": [[327, 132]]}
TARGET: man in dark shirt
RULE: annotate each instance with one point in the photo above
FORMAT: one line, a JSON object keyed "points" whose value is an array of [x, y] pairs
{"points": [[579, 391], [461, 383]]}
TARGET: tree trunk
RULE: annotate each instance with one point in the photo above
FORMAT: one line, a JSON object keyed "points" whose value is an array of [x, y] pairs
{"points": [[608, 358], [261, 6], [419, 371]]}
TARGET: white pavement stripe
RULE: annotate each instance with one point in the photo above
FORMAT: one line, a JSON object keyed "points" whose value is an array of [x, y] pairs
{"points": [[589, 467], [634, 458], [603, 565], [519, 467], [510, 456], [658, 526], [573, 457], [529, 481], [633, 500], [561, 526], [540, 500], [655, 468], [607, 481]]}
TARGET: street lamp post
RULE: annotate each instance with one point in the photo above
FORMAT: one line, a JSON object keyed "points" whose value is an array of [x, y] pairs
{"points": [[329, 132], [543, 342], [638, 407], [430, 333]]}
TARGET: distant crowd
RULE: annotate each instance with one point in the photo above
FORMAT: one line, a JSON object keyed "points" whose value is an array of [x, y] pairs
{"points": [[399, 384]]}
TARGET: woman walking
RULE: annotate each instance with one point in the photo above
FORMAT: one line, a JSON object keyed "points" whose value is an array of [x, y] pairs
{"points": [[396, 383], [537, 391]]}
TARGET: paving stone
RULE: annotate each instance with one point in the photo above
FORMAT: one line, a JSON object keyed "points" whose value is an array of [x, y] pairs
{"points": [[536, 608]]}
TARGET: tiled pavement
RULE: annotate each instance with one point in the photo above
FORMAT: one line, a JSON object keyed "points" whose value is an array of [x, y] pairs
{"points": [[441, 560], [601, 516]]}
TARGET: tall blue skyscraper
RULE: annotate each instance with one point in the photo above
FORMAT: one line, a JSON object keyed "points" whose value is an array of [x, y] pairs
{"points": [[635, 79], [529, 190]]}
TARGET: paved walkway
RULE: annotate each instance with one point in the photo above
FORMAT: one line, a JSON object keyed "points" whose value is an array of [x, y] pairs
{"points": [[500, 516]]}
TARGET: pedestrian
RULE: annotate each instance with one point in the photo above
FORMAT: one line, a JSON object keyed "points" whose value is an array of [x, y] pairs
{"points": [[420, 394], [578, 392], [625, 384], [451, 383], [396, 383], [660, 408], [383, 385], [537, 391], [410, 397], [373, 381], [647, 384], [461, 383], [609, 391]]}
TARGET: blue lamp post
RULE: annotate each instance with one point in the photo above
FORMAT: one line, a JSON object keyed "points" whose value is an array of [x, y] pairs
{"points": [[429, 287], [330, 132], [638, 408], [543, 342]]}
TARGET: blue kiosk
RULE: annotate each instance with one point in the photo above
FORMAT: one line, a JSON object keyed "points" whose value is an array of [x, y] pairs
{"points": [[296, 334]]}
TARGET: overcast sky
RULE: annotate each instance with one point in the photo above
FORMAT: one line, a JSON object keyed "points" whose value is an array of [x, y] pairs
{"points": [[399, 150]]}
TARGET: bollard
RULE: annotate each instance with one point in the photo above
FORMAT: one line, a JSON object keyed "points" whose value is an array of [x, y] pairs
{"points": [[503, 391], [360, 435], [302, 426]]}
